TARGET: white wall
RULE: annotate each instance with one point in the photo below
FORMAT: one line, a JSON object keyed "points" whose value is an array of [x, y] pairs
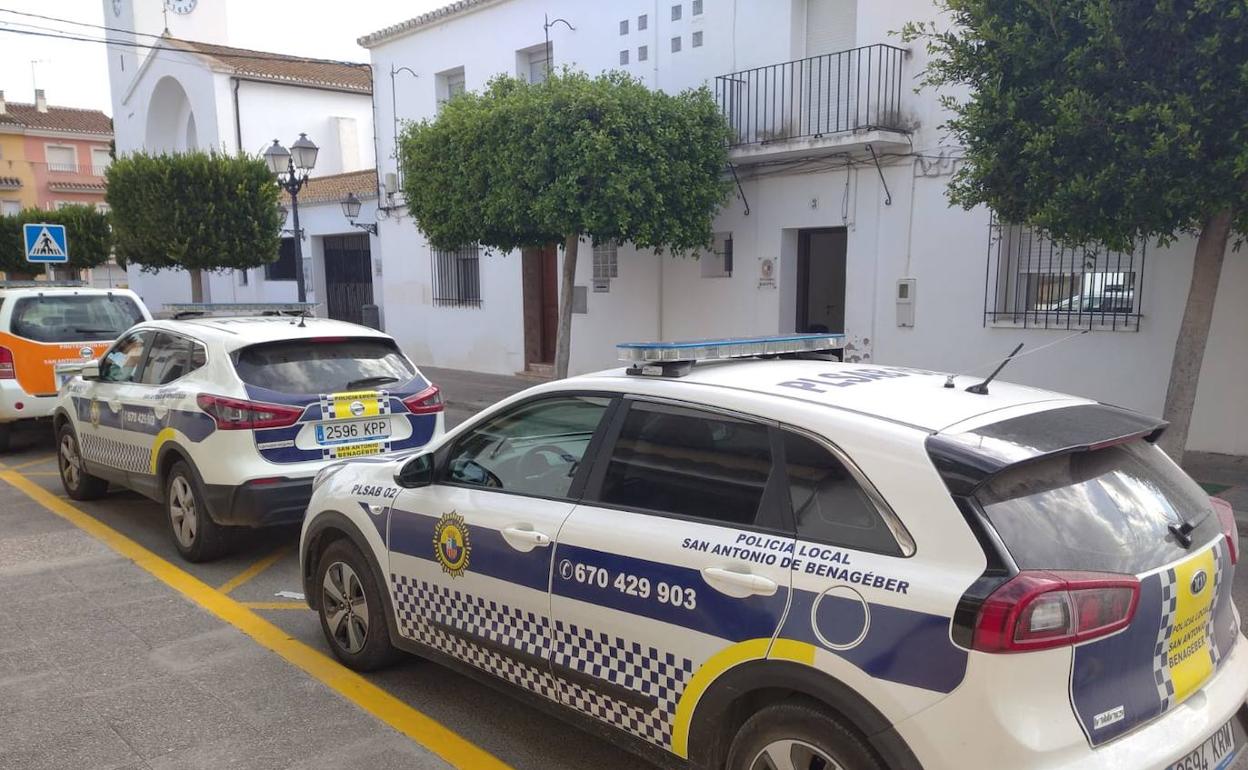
{"points": [[270, 111]]}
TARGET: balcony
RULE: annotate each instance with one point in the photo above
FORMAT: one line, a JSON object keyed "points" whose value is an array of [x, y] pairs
{"points": [[832, 103]]}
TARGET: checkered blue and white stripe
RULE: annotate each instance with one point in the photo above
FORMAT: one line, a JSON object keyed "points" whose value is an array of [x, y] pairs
{"points": [[1161, 665], [421, 606], [327, 406], [1218, 577], [116, 454]]}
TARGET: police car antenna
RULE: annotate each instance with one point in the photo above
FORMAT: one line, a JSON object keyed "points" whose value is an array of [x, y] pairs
{"points": [[981, 388]]}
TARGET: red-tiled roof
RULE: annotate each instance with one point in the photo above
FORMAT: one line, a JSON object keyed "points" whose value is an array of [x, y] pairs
{"points": [[335, 187], [281, 68], [70, 119]]}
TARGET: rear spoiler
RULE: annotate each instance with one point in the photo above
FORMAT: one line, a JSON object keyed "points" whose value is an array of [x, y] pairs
{"points": [[967, 460]]}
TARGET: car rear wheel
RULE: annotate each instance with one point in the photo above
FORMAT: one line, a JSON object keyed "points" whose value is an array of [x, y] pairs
{"points": [[196, 536], [797, 735], [79, 484], [352, 609]]}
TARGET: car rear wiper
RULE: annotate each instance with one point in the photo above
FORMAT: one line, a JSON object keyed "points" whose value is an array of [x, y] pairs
{"points": [[1184, 529], [377, 380]]}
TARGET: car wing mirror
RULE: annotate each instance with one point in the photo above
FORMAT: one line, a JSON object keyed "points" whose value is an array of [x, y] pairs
{"points": [[90, 370], [416, 472]]}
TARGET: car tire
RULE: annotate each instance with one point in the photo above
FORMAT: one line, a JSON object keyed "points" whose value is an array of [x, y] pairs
{"points": [[6, 436], [804, 734], [352, 609], [196, 536], [78, 484]]}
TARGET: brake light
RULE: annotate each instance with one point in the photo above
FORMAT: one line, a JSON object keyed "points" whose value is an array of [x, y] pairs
{"points": [[7, 372], [427, 401], [1226, 514], [1040, 610], [236, 414]]}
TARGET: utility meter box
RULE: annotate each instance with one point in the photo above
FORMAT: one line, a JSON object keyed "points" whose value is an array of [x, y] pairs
{"points": [[905, 301]]}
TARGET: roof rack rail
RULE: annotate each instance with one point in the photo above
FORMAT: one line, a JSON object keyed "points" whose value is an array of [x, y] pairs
{"points": [[181, 310], [676, 359], [7, 284]]}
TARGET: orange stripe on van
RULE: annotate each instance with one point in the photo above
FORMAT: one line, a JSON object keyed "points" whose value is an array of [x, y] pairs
{"points": [[35, 362]]}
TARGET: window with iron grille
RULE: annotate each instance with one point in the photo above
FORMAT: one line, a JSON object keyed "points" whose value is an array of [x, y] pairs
{"points": [[643, 52], [457, 277], [676, 12], [642, 22], [606, 263], [624, 27], [1032, 281], [696, 8], [624, 56]]}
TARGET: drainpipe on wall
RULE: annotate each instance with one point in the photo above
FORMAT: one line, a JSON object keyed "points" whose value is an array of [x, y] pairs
{"points": [[238, 119]]}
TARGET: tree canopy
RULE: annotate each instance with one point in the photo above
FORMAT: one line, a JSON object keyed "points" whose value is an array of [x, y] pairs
{"points": [[87, 230], [194, 211]]}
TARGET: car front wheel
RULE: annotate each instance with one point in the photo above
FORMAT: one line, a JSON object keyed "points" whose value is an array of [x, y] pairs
{"points": [[79, 484], [196, 536], [796, 735], [352, 609]]}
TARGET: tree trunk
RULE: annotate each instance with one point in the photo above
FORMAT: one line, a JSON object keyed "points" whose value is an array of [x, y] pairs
{"points": [[1189, 349], [197, 285], [563, 341]]}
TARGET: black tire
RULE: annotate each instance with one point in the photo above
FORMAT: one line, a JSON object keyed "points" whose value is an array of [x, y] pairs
{"points": [[78, 484], [361, 646], [6, 436], [815, 731], [196, 536]]}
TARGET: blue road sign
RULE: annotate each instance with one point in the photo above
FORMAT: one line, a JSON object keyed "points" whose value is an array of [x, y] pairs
{"points": [[46, 243]]}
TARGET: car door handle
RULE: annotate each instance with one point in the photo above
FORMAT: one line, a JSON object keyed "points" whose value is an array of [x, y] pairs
{"points": [[738, 584], [114, 404], [525, 539]]}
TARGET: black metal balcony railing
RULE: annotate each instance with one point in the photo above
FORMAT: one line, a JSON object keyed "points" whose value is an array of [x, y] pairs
{"points": [[829, 94]]}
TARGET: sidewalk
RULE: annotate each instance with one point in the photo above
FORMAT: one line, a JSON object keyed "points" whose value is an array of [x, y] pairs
{"points": [[1224, 476], [467, 393]]}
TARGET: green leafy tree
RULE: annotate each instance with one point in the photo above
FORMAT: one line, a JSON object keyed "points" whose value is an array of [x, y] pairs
{"points": [[1106, 123], [87, 231], [194, 212], [573, 157]]}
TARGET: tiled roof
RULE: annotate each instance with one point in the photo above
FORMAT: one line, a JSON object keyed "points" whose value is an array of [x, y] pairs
{"points": [[425, 19], [335, 187], [78, 187], [281, 68], [70, 119], [10, 183]]}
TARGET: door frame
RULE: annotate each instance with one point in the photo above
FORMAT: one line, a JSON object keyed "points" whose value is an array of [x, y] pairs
{"points": [[801, 316], [540, 313]]}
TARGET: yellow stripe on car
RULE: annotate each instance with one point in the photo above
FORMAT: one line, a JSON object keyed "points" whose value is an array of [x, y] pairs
{"points": [[1188, 649]]}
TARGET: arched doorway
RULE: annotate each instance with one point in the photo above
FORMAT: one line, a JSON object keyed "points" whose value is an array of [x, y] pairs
{"points": [[170, 119]]}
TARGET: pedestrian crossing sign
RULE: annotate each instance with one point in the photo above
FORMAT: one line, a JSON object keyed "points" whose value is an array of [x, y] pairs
{"points": [[46, 243]]}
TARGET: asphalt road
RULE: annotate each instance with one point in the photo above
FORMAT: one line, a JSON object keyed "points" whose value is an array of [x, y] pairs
{"points": [[263, 574]]}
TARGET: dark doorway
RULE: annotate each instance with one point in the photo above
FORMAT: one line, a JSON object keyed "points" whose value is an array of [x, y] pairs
{"points": [[821, 280], [348, 276], [541, 304]]}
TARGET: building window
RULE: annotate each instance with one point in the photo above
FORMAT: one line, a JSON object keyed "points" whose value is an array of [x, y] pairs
{"points": [[676, 12], [10, 208], [717, 263], [243, 277], [696, 8], [100, 161], [457, 277], [1033, 281], [624, 27], [61, 158], [697, 40], [449, 85], [624, 56], [606, 262], [643, 52], [643, 21], [540, 62], [103, 207], [676, 44], [284, 268]]}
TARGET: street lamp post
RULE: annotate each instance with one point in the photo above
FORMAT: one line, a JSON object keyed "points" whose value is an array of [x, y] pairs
{"points": [[291, 169]]}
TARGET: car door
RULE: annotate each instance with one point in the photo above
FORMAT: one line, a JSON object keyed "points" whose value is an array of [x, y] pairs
{"points": [[470, 554], [107, 440], [676, 562], [152, 412]]}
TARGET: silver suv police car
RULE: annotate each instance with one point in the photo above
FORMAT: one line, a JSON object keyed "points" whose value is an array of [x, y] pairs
{"points": [[793, 563]]}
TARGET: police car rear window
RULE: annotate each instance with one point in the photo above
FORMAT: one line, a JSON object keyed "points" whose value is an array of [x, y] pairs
{"points": [[1106, 510], [73, 317], [323, 366]]}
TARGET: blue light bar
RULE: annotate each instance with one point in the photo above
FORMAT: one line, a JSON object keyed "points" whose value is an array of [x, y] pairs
{"points": [[733, 347]]}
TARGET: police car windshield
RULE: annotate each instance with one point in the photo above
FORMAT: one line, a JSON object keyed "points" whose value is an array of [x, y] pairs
{"points": [[322, 366], [74, 317], [1107, 510]]}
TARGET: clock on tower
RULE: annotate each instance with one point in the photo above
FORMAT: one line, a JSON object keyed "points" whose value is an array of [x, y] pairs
{"points": [[181, 7]]}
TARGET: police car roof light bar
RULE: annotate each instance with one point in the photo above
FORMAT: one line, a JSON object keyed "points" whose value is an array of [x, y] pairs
{"points": [[227, 309], [42, 284], [675, 359]]}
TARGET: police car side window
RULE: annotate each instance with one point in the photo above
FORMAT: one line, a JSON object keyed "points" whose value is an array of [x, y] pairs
{"points": [[688, 462], [168, 360], [122, 362], [534, 449], [829, 505]]}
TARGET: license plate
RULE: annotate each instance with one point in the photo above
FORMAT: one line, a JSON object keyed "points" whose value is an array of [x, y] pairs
{"points": [[351, 432], [1216, 753]]}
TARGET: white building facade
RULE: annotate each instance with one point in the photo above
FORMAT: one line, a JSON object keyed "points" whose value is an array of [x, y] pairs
{"points": [[177, 86]]}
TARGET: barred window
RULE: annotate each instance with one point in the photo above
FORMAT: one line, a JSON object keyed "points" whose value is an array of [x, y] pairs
{"points": [[1033, 281], [606, 265], [457, 277]]}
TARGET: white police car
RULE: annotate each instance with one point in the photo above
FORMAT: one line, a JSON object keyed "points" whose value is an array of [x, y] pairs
{"points": [[227, 420], [797, 563]]}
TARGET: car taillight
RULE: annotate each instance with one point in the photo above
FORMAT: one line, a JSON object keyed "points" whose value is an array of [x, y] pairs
{"points": [[427, 401], [1040, 610], [236, 414], [1226, 514], [7, 372]]}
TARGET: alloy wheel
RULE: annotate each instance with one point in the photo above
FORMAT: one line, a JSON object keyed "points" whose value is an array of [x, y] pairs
{"points": [[70, 462], [345, 607], [182, 512], [793, 755]]}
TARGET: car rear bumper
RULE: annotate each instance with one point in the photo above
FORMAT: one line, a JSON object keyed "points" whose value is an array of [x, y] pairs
{"points": [[262, 503], [31, 407]]}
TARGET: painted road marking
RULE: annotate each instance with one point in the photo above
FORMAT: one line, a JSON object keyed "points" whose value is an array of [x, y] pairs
{"points": [[416, 725], [277, 606], [253, 570], [28, 463]]}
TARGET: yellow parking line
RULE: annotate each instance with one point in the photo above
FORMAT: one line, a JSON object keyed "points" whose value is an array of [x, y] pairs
{"points": [[28, 463], [276, 606], [253, 570], [416, 725], [42, 473]]}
